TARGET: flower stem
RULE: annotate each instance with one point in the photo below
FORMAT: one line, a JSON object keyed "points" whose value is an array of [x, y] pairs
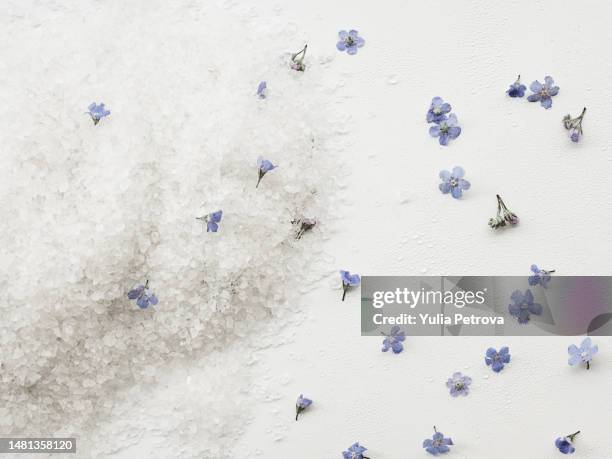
{"points": [[588, 365], [345, 288], [303, 52], [500, 203], [571, 437]]}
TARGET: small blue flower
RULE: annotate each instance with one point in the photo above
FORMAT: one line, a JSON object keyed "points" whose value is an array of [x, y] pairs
{"points": [[355, 451], [437, 110], [348, 280], [301, 404], [517, 89], [522, 306], [143, 295], [496, 359], [575, 135], [564, 444], [459, 384], [97, 112], [582, 354], [574, 125], [539, 276], [263, 167], [446, 129], [349, 41], [437, 444], [453, 182], [394, 340], [543, 92], [262, 90], [212, 221]]}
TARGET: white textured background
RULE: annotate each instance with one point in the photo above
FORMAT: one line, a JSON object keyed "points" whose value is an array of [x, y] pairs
{"points": [[391, 219], [398, 223]]}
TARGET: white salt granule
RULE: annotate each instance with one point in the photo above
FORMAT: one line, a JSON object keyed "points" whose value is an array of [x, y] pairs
{"points": [[89, 211]]}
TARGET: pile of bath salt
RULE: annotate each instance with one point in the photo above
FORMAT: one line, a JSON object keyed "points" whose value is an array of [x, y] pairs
{"points": [[89, 211]]}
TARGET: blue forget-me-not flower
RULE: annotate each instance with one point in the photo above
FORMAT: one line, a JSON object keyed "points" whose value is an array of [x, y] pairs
{"points": [[143, 295]]}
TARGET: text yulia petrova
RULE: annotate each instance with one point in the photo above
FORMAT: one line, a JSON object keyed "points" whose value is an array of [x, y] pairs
{"points": [[436, 319]]}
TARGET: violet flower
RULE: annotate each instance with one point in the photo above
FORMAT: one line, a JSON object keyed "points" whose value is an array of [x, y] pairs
{"points": [[523, 306], [349, 41], [97, 112], [262, 90], [574, 125], [496, 360], [348, 280], [143, 295], [453, 182], [437, 110], [212, 221], [437, 444], [446, 129], [394, 340], [301, 404], [540, 276], [564, 444], [543, 92], [355, 451], [263, 167], [516, 89], [582, 354], [459, 384]]}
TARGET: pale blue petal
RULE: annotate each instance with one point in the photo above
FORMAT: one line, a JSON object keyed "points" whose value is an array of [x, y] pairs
{"points": [[535, 308], [574, 359], [536, 86], [454, 132], [458, 172], [586, 344], [534, 97], [452, 120]]}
